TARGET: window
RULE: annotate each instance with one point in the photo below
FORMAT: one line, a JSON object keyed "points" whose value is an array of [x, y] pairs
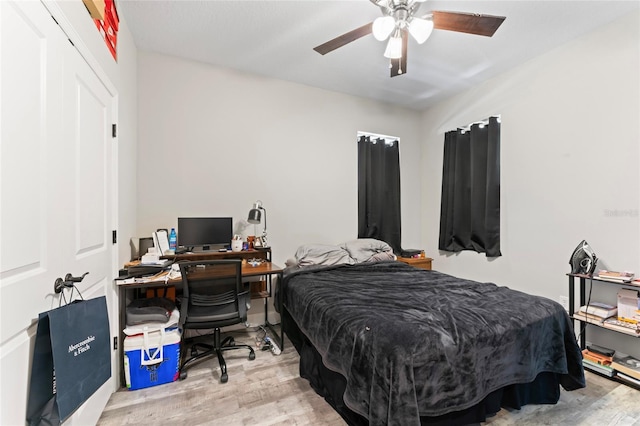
{"points": [[470, 204], [379, 189]]}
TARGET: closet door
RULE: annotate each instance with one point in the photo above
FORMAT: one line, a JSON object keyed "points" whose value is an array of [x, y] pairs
{"points": [[84, 198], [55, 193]]}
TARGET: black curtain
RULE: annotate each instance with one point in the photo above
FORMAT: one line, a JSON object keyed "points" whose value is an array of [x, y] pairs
{"points": [[470, 206], [379, 191]]}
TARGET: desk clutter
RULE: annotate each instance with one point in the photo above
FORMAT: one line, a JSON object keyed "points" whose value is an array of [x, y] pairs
{"points": [[195, 235], [155, 345], [137, 272]]}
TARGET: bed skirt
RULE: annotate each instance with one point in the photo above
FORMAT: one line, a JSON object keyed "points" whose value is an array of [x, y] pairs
{"points": [[545, 389]]}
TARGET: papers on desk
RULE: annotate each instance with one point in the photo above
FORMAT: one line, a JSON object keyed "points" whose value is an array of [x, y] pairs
{"points": [[159, 277], [162, 276], [161, 241]]}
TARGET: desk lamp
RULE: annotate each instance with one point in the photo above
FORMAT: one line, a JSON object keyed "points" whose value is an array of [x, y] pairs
{"points": [[254, 217]]}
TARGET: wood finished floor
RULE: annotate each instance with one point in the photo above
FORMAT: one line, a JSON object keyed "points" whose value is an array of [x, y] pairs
{"points": [[269, 391]]}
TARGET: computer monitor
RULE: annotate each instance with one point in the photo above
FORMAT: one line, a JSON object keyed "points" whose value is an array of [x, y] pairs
{"points": [[204, 232]]}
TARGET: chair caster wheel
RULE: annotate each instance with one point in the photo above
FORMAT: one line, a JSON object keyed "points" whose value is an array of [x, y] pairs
{"points": [[232, 342], [183, 375], [252, 356], [224, 378], [194, 351]]}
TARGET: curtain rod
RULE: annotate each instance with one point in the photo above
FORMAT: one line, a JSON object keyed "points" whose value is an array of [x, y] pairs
{"points": [[482, 123], [387, 139]]}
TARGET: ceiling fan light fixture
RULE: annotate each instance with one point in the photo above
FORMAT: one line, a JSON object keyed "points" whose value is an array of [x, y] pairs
{"points": [[383, 27], [394, 47], [402, 17], [421, 29]]}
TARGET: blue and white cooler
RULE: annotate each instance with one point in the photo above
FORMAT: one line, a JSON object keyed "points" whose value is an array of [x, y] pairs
{"points": [[152, 354]]}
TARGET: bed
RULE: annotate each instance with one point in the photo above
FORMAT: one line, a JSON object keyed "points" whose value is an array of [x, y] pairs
{"points": [[389, 344]]}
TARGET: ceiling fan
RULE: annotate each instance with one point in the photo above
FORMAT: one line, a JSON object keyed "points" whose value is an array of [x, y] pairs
{"points": [[402, 17]]}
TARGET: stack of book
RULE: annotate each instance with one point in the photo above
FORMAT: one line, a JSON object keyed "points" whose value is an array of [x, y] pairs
{"points": [[596, 312], [599, 310], [607, 316], [623, 277], [627, 368], [598, 362]]}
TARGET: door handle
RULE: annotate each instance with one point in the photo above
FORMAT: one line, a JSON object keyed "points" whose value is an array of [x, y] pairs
{"points": [[72, 279], [69, 281]]}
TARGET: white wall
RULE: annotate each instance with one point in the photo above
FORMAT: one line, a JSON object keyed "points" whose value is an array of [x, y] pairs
{"points": [[212, 141], [569, 162]]}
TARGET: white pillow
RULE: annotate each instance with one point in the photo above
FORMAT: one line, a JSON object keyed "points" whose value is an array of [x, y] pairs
{"points": [[368, 250], [322, 254]]}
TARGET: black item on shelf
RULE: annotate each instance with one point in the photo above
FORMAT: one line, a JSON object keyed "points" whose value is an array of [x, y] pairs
{"points": [[601, 350], [583, 260], [142, 270]]}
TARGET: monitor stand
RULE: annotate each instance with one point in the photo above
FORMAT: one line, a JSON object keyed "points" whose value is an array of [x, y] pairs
{"points": [[209, 248]]}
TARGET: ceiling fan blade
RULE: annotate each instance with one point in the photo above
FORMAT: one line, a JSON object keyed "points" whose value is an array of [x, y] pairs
{"points": [[470, 23], [399, 66], [345, 38]]}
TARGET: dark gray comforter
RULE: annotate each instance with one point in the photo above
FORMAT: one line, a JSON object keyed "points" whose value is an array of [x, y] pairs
{"points": [[412, 342]]}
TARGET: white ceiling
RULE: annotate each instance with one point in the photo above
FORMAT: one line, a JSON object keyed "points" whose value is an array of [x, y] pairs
{"points": [[276, 38]]}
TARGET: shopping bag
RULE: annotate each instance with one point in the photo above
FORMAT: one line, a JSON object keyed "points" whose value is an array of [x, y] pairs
{"points": [[71, 360]]}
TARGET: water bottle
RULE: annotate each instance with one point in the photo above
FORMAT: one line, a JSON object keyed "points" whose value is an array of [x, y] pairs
{"points": [[173, 240]]}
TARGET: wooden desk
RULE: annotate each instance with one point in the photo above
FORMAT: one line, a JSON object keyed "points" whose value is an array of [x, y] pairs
{"points": [[213, 254], [259, 290], [266, 269]]}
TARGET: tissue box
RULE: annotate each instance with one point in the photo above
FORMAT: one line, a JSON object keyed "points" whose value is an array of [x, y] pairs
{"points": [[150, 258]]}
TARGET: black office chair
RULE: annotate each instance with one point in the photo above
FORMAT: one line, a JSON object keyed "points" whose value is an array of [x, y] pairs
{"points": [[213, 296]]}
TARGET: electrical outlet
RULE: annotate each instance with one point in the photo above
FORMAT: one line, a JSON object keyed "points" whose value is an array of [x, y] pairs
{"points": [[564, 301]]}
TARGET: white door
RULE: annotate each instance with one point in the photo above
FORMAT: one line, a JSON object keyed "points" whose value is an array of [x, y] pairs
{"points": [[56, 191]]}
